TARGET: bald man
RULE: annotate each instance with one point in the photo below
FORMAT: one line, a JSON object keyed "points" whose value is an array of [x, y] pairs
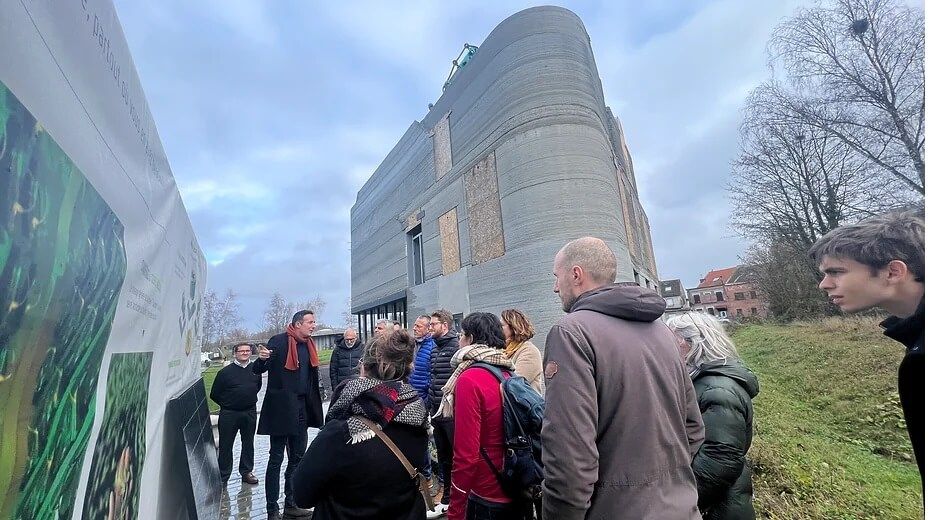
{"points": [[345, 360], [621, 421]]}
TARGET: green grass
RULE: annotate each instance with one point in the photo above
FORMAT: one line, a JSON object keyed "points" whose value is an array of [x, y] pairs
{"points": [[830, 441], [210, 373]]}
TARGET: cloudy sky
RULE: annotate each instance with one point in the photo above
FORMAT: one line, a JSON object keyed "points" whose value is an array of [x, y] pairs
{"points": [[274, 114]]}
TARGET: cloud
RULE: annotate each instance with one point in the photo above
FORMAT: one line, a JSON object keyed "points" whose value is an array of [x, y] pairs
{"points": [[273, 115]]}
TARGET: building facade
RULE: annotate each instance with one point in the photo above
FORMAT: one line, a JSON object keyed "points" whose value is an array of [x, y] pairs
{"points": [[675, 297], [728, 293], [518, 156]]}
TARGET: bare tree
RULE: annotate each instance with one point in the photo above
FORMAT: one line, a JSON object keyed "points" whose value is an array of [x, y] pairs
{"points": [[348, 320], [788, 281], [210, 319], [277, 314], [793, 182], [854, 70], [228, 316]]}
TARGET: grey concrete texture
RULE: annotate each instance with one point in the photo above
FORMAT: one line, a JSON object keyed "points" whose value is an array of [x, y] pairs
{"points": [[532, 97]]}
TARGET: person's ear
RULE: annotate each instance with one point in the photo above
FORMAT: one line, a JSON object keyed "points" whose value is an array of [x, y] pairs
{"points": [[897, 271], [577, 274]]}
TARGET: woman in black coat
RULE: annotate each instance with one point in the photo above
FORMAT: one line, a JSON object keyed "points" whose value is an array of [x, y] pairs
{"points": [[348, 472], [725, 388]]}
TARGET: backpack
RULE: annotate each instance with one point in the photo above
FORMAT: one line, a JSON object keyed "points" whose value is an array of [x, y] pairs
{"points": [[522, 417]]}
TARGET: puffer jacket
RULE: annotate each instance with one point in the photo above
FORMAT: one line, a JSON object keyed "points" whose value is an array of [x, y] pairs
{"points": [[724, 478], [345, 361], [421, 375], [444, 349]]}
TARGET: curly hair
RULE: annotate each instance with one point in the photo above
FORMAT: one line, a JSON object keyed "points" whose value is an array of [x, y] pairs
{"points": [[522, 329]]}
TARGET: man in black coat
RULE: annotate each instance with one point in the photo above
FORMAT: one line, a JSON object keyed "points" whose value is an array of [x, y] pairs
{"points": [[345, 359], [292, 404], [446, 345], [879, 262], [235, 389]]}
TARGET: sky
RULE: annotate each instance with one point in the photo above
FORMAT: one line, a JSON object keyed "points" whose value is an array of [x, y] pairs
{"points": [[274, 114]]}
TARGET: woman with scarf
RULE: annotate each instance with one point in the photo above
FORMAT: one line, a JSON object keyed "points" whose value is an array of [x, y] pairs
{"points": [[348, 471], [472, 397], [518, 347]]}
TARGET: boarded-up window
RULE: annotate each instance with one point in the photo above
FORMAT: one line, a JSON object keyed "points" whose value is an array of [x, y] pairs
{"points": [[484, 211], [450, 242], [441, 136]]}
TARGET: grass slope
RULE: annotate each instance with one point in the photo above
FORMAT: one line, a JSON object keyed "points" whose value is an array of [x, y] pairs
{"points": [[830, 441]]}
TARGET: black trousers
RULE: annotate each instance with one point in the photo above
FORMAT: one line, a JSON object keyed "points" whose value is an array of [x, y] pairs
{"points": [[229, 423], [295, 445], [479, 509], [444, 440]]}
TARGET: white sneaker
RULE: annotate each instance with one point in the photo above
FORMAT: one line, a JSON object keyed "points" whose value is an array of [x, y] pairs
{"points": [[438, 511]]}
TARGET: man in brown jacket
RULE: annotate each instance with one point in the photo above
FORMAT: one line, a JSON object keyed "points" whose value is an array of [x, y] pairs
{"points": [[621, 421]]}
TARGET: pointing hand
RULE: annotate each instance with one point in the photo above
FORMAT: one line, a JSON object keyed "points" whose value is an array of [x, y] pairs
{"points": [[264, 353]]}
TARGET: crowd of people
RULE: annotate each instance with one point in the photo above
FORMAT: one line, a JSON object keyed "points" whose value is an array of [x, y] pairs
{"points": [[642, 415]]}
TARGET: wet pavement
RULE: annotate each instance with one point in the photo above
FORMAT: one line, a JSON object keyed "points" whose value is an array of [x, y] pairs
{"points": [[241, 501]]}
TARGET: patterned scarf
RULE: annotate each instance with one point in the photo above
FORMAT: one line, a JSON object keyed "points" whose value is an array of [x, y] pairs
{"points": [[461, 361], [381, 402], [291, 358]]}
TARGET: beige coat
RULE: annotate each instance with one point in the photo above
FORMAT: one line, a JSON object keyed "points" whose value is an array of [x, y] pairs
{"points": [[527, 361], [621, 420]]}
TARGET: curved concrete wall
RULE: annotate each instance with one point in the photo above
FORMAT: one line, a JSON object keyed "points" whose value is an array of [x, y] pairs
{"points": [[532, 96]]}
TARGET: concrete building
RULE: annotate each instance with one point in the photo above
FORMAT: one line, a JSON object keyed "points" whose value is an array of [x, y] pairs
{"points": [[728, 293], [674, 296], [518, 156]]}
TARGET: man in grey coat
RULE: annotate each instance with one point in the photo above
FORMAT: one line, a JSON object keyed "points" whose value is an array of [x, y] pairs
{"points": [[621, 421]]}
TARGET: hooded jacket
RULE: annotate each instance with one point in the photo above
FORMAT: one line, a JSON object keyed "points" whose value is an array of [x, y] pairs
{"points": [[621, 421], [910, 375], [345, 361], [444, 349], [724, 479]]}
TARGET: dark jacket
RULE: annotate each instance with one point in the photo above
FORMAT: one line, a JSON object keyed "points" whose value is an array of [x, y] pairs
{"points": [[724, 478], [345, 361], [235, 388], [421, 375], [910, 375], [621, 421], [279, 415], [361, 481], [445, 347]]}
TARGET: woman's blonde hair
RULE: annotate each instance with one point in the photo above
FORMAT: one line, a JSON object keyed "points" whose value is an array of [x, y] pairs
{"points": [[706, 338], [522, 329], [389, 356]]}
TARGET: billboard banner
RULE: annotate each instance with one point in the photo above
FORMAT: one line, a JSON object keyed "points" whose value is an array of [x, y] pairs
{"points": [[101, 276]]}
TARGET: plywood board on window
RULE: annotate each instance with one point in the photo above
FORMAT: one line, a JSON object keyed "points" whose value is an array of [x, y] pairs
{"points": [[484, 210], [441, 138], [450, 242]]}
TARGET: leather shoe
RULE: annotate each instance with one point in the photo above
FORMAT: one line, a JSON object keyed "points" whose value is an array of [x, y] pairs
{"points": [[249, 478], [297, 512], [274, 515]]}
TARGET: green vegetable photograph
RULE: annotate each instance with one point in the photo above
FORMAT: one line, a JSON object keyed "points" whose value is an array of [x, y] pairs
{"points": [[62, 265]]}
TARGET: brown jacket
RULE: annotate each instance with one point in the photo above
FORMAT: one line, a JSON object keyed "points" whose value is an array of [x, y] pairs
{"points": [[527, 361], [621, 421]]}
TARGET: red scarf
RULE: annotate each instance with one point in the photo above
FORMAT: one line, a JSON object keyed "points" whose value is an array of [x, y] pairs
{"points": [[291, 359]]}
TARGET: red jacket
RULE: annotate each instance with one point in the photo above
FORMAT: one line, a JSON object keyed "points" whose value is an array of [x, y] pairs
{"points": [[477, 423]]}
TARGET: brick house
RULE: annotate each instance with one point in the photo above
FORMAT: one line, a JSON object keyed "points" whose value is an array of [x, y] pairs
{"points": [[728, 293]]}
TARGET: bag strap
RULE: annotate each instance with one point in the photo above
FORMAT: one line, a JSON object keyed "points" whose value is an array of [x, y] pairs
{"points": [[391, 445], [412, 472]]}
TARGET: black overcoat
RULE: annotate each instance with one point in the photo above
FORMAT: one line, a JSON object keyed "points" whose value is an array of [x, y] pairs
{"points": [[279, 415]]}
